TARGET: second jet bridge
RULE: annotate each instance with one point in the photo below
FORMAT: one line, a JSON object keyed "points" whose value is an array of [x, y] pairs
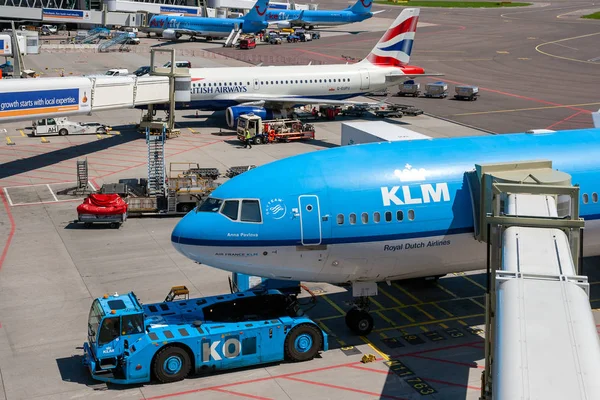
{"points": [[541, 339]]}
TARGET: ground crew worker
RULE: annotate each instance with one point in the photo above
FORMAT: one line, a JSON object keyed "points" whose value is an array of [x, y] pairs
{"points": [[248, 139]]}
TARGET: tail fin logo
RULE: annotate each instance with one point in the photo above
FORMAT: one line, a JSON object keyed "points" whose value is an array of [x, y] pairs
{"points": [[258, 9], [394, 48], [366, 5]]}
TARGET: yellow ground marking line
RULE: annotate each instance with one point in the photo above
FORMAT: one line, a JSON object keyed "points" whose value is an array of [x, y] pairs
{"points": [[395, 300], [389, 321], [9, 141], [44, 140], [330, 333], [405, 315], [425, 312], [332, 304], [22, 133], [383, 335], [378, 304], [428, 323], [406, 292], [526, 109], [98, 136], [448, 313], [478, 303], [371, 345], [537, 48], [523, 58], [192, 130], [474, 283], [502, 52]]}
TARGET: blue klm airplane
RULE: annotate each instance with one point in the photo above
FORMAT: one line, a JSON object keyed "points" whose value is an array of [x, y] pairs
{"points": [[375, 212], [360, 11], [173, 26]]}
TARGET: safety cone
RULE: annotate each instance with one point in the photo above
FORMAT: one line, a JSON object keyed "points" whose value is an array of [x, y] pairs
{"points": [[197, 114]]}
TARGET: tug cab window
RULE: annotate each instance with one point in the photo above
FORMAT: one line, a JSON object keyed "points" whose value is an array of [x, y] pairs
{"points": [[109, 331], [250, 211], [230, 209], [210, 205]]}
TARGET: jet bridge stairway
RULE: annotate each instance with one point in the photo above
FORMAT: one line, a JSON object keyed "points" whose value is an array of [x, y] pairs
{"points": [[156, 163], [233, 37], [541, 339]]}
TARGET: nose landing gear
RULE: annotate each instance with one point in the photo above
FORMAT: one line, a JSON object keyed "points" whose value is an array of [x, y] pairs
{"points": [[358, 318]]}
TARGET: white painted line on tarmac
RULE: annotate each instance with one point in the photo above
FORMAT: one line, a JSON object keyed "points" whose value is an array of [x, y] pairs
{"points": [[8, 197], [51, 191], [92, 186]]}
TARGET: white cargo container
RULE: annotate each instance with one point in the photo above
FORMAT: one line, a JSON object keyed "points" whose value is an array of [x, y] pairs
{"points": [[376, 131], [409, 88], [465, 92]]}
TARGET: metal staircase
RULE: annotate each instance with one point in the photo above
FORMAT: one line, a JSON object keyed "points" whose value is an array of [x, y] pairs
{"points": [[156, 163], [82, 176], [120, 39], [233, 37]]}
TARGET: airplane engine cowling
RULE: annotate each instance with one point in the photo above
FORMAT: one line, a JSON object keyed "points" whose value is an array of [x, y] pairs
{"points": [[232, 113], [284, 24], [169, 34]]}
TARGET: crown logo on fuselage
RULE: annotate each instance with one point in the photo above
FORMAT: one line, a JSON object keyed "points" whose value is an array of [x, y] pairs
{"points": [[408, 174]]}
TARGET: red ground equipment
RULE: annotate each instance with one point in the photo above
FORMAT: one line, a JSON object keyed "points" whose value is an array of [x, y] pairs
{"points": [[106, 208]]}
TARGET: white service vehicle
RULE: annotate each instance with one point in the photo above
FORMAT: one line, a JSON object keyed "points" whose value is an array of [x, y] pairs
{"points": [[117, 72], [62, 126]]}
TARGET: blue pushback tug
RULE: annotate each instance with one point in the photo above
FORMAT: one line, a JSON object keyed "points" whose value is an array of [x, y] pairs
{"points": [[133, 343]]}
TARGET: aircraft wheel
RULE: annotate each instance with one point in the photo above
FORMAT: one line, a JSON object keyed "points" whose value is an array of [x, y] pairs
{"points": [[101, 130], [171, 364], [63, 132], [303, 343], [359, 321], [185, 208]]}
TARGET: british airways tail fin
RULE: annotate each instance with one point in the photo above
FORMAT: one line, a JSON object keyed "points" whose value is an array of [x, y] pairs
{"points": [[394, 48], [361, 7], [258, 12]]}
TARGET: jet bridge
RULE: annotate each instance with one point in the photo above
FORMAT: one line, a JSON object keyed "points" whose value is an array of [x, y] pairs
{"points": [[30, 99], [541, 340]]}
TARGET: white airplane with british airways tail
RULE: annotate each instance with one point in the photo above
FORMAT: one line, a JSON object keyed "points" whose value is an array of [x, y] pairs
{"points": [[273, 92]]}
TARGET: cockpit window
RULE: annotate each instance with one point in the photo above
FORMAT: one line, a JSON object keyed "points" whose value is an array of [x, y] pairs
{"points": [[230, 209], [250, 211], [210, 205]]}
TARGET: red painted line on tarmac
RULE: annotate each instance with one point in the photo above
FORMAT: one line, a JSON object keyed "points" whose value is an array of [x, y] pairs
{"points": [[388, 372], [249, 396], [455, 346], [447, 361], [268, 378], [12, 228], [522, 97], [563, 120], [321, 54], [378, 371], [450, 383], [174, 154], [377, 395]]}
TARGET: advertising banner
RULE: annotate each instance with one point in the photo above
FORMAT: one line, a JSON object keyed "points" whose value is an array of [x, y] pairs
{"points": [[56, 13], [178, 10], [41, 102]]}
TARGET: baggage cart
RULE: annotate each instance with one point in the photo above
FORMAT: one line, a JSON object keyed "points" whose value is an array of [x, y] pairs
{"points": [[409, 88], [466, 92], [437, 90]]}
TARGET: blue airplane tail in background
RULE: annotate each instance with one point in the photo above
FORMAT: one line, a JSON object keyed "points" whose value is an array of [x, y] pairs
{"points": [[361, 7], [257, 13]]}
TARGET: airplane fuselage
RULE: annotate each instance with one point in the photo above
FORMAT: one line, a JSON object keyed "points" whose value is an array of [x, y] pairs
{"points": [[374, 212], [317, 17], [216, 89]]}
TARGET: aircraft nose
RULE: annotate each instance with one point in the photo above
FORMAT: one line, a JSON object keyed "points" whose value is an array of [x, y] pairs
{"points": [[185, 232]]}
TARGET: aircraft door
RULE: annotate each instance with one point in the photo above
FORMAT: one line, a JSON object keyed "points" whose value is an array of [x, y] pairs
{"points": [[310, 220], [364, 79], [256, 84]]}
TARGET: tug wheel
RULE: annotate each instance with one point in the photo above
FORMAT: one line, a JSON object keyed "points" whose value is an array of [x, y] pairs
{"points": [[303, 343], [171, 364]]}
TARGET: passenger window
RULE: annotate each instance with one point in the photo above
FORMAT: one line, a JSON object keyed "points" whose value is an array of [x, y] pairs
{"points": [[230, 209], [595, 197], [340, 219], [411, 215], [352, 219], [262, 83], [586, 198], [376, 217], [365, 218], [250, 211], [400, 215], [388, 216]]}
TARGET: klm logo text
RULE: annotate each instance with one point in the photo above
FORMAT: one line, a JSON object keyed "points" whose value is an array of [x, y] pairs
{"points": [[426, 193]]}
